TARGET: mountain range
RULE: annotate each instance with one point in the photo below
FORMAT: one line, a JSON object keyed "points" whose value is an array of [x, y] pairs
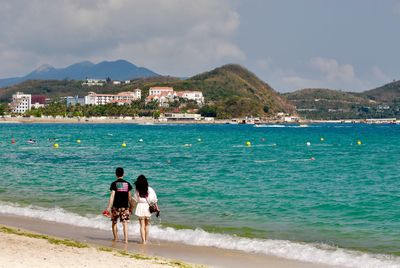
{"points": [[116, 70]]}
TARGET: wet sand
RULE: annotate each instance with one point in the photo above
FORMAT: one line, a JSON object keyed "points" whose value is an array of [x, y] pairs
{"points": [[213, 257]]}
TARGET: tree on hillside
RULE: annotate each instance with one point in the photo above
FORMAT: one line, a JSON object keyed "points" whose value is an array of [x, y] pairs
{"points": [[3, 109], [208, 111]]}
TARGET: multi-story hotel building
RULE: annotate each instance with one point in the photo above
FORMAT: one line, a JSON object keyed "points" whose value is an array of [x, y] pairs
{"points": [[20, 103], [120, 98]]}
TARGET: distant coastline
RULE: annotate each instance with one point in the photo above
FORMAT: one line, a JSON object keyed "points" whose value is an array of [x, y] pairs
{"points": [[154, 121]]}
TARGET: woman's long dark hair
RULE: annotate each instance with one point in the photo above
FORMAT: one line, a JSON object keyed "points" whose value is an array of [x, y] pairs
{"points": [[142, 186]]}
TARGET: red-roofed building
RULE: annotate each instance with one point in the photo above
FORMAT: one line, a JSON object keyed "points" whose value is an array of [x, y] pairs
{"points": [[38, 101]]}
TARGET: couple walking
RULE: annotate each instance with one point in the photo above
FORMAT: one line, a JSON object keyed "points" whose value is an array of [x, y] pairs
{"points": [[121, 204]]}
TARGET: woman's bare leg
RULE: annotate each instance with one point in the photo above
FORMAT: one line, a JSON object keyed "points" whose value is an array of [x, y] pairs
{"points": [[147, 228], [143, 230]]}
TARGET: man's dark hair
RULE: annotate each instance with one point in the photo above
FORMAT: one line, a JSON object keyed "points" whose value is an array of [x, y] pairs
{"points": [[119, 172]]}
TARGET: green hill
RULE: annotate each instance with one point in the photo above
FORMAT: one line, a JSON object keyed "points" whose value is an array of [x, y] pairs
{"points": [[335, 104], [387, 94], [239, 92], [230, 91]]}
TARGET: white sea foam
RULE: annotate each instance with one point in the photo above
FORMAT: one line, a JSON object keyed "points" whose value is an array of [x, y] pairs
{"points": [[317, 253], [269, 126], [265, 161]]}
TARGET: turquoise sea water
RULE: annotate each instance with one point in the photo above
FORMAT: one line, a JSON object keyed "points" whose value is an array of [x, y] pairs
{"points": [[347, 197]]}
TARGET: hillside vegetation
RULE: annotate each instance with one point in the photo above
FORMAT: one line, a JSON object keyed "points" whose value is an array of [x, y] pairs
{"points": [[388, 94], [335, 104], [229, 91]]}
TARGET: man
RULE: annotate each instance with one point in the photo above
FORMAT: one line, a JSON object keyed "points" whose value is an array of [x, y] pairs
{"points": [[120, 203]]}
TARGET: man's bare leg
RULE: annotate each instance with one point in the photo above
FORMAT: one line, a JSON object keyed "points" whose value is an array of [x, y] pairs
{"points": [[125, 227], [115, 231]]}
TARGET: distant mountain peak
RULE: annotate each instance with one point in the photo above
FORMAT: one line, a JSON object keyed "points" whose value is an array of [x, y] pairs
{"points": [[116, 70], [85, 63], [44, 68]]}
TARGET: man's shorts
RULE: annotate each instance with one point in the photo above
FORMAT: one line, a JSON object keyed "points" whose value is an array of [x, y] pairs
{"points": [[121, 213]]}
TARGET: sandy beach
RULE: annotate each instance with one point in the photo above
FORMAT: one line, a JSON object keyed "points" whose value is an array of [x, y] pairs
{"points": [[22, 251]]}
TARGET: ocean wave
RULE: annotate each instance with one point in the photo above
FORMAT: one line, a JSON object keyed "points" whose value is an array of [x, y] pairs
{"points": [[310, 252], [283, 126], [269, 126]]}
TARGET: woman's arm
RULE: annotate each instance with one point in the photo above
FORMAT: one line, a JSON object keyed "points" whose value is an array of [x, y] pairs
{"points": [[153, 196], [132, 203]]}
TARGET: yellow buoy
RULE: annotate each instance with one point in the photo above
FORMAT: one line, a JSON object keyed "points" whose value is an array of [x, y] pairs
{"points": [[55, 145], [359, 142], [248, 144], [78, 141], [322, 139], [123, 145]]}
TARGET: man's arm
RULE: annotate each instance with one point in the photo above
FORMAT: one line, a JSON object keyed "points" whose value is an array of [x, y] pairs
{"points": [[111, 200]]}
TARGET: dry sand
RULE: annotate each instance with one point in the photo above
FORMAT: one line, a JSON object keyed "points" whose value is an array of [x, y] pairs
{"points": [[21, 251]]}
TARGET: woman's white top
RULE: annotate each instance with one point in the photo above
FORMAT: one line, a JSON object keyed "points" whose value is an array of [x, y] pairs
{"points": [[142, 207]]}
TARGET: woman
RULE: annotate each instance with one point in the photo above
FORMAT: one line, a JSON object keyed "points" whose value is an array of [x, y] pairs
{"points": [[144, 195]]}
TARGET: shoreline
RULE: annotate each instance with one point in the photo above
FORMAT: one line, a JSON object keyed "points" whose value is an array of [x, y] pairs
{"points": [[200, 255], [152, 121]]}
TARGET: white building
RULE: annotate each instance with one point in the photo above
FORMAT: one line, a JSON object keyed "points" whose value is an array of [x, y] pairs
{"points": [[138, 93], [94, 82], [20, 103], [165, 95], [192, 95], [160, 91], [182, 117], [120, 98]]}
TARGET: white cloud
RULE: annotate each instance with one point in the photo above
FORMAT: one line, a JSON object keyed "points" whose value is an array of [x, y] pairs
{"points": [[332, 70], [379, 74], [298, 82], [178, 37], [314, 73]]}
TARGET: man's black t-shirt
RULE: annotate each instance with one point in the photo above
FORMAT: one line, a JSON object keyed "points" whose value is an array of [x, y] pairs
{"points": [[121, 188]]}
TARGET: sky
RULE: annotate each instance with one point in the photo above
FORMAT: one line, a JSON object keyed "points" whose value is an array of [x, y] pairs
{"points": [[350, 45]]}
